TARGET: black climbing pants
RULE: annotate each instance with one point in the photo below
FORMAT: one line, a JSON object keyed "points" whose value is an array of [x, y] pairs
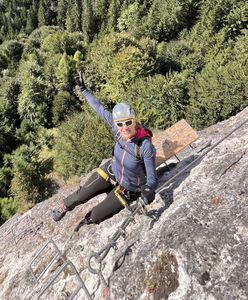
{"points": [[114, 202]]}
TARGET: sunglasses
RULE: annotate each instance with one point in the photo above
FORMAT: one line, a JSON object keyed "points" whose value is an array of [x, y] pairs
{"points": [[124, 123]]}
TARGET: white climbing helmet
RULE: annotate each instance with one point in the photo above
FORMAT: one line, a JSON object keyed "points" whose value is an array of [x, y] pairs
{"points": [[122, 111]]}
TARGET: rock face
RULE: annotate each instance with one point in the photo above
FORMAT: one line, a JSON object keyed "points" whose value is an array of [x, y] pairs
{"points": [[192, 245]]}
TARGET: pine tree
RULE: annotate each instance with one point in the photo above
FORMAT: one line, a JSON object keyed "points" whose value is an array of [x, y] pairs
{"points": [[77, 144], [35, 7], [42, 18], [45, 14], [4, 28], [9, 119], [18, 23], [61, 12], [88, 20], [8, 207], [64, 71], [32, 16], [12, 7], [129, 19], [113, 15], [34, 100], [64, 104], [100, 9], [29, 183], [30, 24], [73, 16], [10, 31]]}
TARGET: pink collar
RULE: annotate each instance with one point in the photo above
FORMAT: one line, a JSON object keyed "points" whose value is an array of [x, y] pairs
{"points": [[142, 132]]}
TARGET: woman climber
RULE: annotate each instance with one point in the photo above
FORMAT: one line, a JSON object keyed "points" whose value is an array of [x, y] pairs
{"points": [[130, 173]]}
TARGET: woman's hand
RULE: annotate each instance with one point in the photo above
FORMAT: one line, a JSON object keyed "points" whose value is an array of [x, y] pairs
{"points": [[147, 194], [80, 81]]}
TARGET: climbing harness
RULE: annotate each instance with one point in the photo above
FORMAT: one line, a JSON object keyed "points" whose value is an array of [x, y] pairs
{"points": [[118, 193], [105, 176]]}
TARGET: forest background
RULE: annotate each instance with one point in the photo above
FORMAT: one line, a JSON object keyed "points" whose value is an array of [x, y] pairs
{"points": [[170, 59]]}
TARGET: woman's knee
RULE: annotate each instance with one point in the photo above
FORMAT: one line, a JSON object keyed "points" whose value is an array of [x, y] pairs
{"points": [[102, 212]]}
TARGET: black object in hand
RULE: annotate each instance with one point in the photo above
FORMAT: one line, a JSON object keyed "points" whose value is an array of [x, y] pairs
{"points": [[80, 81], [147, 194]]}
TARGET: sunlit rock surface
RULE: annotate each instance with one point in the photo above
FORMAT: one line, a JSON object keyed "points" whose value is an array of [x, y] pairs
{"points": [[194, 247]]}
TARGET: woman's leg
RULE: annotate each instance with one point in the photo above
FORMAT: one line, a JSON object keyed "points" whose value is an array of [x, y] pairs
{"points": [[98, 183], [94, 186], [111, 205]]}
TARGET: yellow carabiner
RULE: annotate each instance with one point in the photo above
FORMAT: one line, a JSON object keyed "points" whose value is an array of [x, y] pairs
{"points": [[119, 197]]}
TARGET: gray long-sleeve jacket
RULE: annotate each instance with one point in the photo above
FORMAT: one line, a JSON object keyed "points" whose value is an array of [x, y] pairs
{"points": [[129, 171]]}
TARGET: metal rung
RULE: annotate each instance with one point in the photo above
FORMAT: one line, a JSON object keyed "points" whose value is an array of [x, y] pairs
{"points": [[25, 230], [178, 159], [80, 286], [59, 254]]}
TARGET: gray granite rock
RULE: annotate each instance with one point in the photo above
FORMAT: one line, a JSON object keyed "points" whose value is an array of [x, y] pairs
{"points": [[192, 245]]}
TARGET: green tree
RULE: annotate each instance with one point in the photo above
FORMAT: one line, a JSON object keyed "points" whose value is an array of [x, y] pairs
{"points": [[42, 14], [179, 55], [9, 24], [34, 99], [30, 183], [100, 10], [8, 207], [61, 10], [88, 21], [113, 15], [14, 50], [77, 147], [214, 18], [50, 67], [115, 60], [63, 41], [3, 61], [64, 104], [18, 24], [159, 101], [45, 13], [32, 21], [6, 176], [237, 20], [99, 62], [130, 18], [127, 65], [78, 58], [35, 39], [73, 16], [64, 71], [9, 119], [165, 19], [220, 90]]}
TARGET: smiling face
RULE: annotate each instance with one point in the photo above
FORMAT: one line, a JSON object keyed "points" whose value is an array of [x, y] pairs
{"points": [[127, 128]]}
